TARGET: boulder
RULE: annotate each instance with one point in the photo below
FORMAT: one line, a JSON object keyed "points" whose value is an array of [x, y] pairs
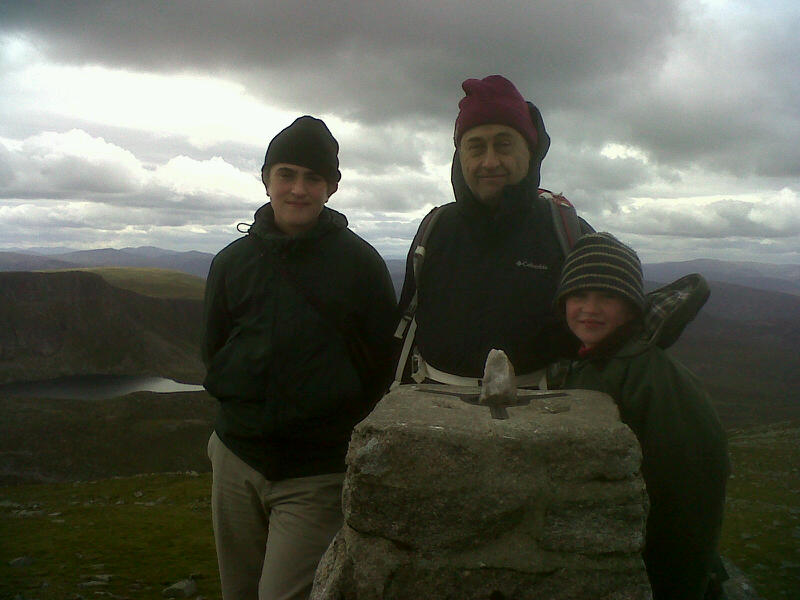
{"points": [[443, 501]]}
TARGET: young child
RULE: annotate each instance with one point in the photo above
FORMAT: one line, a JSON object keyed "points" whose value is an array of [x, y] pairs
{"points": [[684, 450]]}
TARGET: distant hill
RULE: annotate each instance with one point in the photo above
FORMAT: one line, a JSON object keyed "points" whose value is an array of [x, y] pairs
{"points": [[192, 262], [745, 346], [765, 276], [397, 269], [15, 261], [76, 323]]}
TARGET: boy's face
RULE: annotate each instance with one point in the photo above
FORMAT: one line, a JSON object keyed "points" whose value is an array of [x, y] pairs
{"points": [[297, 196], [592, 315]]}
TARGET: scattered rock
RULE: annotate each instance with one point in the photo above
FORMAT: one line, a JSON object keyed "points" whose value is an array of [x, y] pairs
{"points": [[753, 546], [25, 513], [104, 577], [185, 588], [21, 561], [737, 587], [93, 583]]}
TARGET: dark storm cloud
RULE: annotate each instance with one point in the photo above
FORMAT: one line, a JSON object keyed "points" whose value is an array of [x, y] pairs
{"points": [[665, 76], [703, 95], [366, 60]]}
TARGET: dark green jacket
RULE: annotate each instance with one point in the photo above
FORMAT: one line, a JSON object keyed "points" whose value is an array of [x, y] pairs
{"points": [[684, 449], [289, 392]]}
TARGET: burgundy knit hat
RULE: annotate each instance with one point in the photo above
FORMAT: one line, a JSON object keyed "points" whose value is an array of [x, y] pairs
{"points": [[494, 99]]}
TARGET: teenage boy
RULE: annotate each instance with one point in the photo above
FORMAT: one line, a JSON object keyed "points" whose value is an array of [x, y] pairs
{"points": [[684, 451], [291, 311]]}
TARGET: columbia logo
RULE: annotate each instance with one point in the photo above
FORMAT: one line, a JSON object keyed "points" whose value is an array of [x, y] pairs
{"points": [[530, 265]]}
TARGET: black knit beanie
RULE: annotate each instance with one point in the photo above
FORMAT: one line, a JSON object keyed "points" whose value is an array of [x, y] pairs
{"points": [[307, 143], [599, 261]]}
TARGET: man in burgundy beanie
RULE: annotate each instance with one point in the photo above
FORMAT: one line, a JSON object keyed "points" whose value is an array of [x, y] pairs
{"points": [[491, 258]]}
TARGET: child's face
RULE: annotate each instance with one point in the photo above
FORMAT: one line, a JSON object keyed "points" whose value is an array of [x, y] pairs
{"points": [[592, 315]]}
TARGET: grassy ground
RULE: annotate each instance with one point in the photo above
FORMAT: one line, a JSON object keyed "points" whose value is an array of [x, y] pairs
{"points": [[145, 532], [761, 533], [148, 532]]}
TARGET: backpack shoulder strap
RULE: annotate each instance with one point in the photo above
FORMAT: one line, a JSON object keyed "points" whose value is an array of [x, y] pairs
{"points": [[421, 241], [566, 223], [407, 326]]}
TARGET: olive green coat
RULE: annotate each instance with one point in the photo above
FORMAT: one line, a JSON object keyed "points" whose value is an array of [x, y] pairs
{"points": [[684, 449]]}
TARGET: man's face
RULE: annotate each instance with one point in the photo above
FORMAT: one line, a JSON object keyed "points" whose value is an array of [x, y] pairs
{"points": [[593, 315], [492, 157], [297, 195]]}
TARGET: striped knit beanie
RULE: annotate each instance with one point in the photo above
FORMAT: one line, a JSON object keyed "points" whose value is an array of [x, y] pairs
{"points": [[599, 261]]}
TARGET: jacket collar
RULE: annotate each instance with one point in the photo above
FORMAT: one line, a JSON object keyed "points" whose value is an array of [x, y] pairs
{"points": [[264, 227], [623, 337]]}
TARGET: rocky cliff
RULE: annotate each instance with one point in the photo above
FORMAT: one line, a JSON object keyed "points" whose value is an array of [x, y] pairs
{"points": [[75, 323]]}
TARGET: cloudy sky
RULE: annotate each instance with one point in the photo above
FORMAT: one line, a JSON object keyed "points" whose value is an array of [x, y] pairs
{"points": [[674, 124]]}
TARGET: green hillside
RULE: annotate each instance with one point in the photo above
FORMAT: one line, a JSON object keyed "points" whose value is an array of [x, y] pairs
{"points": [[61, 323], [157, 283]]}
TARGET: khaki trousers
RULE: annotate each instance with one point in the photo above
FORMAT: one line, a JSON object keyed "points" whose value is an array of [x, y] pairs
{"points": [[270, 535]]}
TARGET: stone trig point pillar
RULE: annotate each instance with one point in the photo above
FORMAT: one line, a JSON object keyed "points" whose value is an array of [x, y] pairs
{"points": [[443, 501]]}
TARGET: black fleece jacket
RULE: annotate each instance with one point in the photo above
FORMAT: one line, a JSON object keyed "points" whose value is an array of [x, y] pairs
{"points": [[289, 393]]}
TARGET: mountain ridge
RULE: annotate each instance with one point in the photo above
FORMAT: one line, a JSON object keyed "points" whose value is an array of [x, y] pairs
{"points": [[767, 276]]}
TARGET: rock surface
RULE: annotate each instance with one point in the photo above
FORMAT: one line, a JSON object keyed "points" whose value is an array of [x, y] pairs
{"points": [[186, 588], [442, 501], [497, 386]]}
